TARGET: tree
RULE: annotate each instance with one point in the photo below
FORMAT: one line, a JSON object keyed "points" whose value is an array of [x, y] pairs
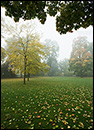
{"points": [[69, 14], [52, 62], [63, 66], [81, 61], [24, 49], [51, 59]]}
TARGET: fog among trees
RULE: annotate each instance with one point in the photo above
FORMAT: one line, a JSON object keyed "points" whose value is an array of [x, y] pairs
{"points": [[80, 62]]}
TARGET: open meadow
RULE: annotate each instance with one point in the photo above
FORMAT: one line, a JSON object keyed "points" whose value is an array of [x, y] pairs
{"points": [[47, 103]]}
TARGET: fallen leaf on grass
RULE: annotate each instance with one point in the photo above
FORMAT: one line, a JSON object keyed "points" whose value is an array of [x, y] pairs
{"points": [[39, 123], [68, 127], [38, 116]]}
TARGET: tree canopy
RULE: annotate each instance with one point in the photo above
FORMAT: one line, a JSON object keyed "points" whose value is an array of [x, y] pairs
{"points": [[81, 61], [24, 50], [73, 15], [69, 14]]}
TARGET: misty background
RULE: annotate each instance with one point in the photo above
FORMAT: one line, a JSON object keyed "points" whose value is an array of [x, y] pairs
{"points": [[58, 60]]}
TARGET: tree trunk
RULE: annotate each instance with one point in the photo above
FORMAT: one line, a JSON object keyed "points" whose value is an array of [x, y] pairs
{"points": [[28, 76], [21, 74], [24, 77], [24, 68]]}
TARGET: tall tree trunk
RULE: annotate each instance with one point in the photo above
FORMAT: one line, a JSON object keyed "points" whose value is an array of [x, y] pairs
{"points": [[28, 76], [24, 68], [24, 77]]}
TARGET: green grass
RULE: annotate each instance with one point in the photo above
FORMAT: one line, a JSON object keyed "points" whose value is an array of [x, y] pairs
{"points": [[47, 103]]}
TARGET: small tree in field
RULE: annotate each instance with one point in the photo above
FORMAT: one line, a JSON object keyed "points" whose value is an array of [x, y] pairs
{"points": [[24, 50]]}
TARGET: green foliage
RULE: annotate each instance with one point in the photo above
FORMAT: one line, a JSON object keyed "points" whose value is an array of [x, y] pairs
{"points": [[73, 15], [52, 62], [69, 14], [25, 9], [6, 72], [47, 103], [63, 66]]}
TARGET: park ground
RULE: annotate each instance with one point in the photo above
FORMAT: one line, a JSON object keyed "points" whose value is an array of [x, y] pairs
{"points": [[47, 103]]}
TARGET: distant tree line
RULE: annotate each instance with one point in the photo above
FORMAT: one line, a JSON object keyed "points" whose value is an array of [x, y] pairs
{"points": [[80, 62]]}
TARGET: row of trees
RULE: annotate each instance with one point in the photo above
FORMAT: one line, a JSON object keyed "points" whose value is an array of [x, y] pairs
{"points": [[79, 64], [24, 52]]}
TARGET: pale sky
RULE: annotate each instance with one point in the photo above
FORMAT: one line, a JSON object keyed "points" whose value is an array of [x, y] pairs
{"points": [[65, 41]]}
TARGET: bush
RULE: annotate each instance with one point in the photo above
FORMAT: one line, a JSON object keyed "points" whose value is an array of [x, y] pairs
{"points": [[5, 72]]}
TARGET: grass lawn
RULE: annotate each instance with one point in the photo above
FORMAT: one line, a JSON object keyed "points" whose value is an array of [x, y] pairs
{"points": [[47, 103]]}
